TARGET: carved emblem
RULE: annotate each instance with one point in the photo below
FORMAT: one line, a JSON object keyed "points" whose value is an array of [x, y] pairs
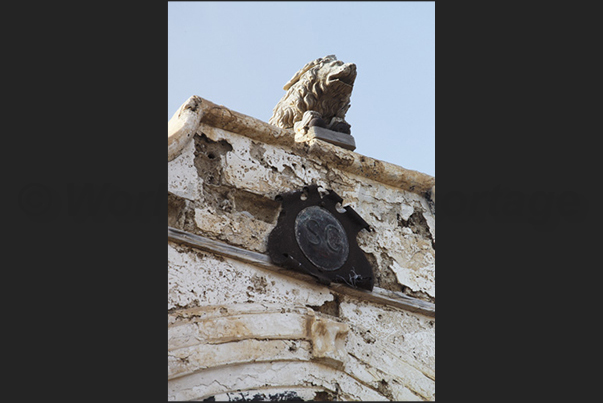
{"points": [[315, 237], [321, 238]]}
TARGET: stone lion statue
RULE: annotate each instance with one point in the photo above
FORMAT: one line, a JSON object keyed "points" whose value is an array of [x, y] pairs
{"points": [[317, 95]]}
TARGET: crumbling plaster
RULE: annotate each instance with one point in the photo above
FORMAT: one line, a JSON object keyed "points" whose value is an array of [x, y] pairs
{"points": [[237, 330], [403, 254], [202, 279], [255, 316]]}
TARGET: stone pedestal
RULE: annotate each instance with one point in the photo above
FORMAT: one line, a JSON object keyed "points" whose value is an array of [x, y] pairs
{"points": [[315, 132]]}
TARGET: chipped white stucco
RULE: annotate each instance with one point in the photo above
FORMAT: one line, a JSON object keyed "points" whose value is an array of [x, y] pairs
{"points": [[238, 330]]}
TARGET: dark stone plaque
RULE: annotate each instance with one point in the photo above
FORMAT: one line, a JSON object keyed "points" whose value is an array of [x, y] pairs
{"points": [[316, 237], [321, 238]]}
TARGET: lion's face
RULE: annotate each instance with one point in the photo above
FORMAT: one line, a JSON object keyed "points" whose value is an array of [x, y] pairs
{"points": [[324, 86], [331, 84], [338, 74]]}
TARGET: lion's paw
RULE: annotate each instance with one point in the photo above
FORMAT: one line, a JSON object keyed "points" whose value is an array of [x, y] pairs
{"points": [[339, 125]]}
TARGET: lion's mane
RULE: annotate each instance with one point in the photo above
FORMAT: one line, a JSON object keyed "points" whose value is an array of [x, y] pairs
{"points": [[313, 89]]}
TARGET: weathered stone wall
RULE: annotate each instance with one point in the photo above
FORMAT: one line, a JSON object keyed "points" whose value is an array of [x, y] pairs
{"points": [[238, 330]]}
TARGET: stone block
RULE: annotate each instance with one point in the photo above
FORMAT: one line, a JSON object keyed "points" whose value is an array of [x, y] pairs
{"points": [[316, 132]]}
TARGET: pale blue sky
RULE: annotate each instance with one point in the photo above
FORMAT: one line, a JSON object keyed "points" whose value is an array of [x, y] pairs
{"points": [[240, 54]]}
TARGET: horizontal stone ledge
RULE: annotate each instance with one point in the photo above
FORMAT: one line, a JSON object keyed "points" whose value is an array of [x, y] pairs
{"points": [[189, 315], [198, 110], [378, 295]]}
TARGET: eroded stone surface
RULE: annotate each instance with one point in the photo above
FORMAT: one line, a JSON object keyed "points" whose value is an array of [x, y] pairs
{"points": [[410, 336], [262, 316], [183, 124], [286, 374], [237, 331], [249, 332], [293, 394], [183, 180], [199, 279], [238, 179], [383, 172]]}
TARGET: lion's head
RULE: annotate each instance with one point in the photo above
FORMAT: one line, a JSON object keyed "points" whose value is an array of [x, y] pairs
{"points": [[324, 86]]}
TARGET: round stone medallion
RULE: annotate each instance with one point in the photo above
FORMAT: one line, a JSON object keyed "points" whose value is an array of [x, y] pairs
{"points": [[322, 238]]}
